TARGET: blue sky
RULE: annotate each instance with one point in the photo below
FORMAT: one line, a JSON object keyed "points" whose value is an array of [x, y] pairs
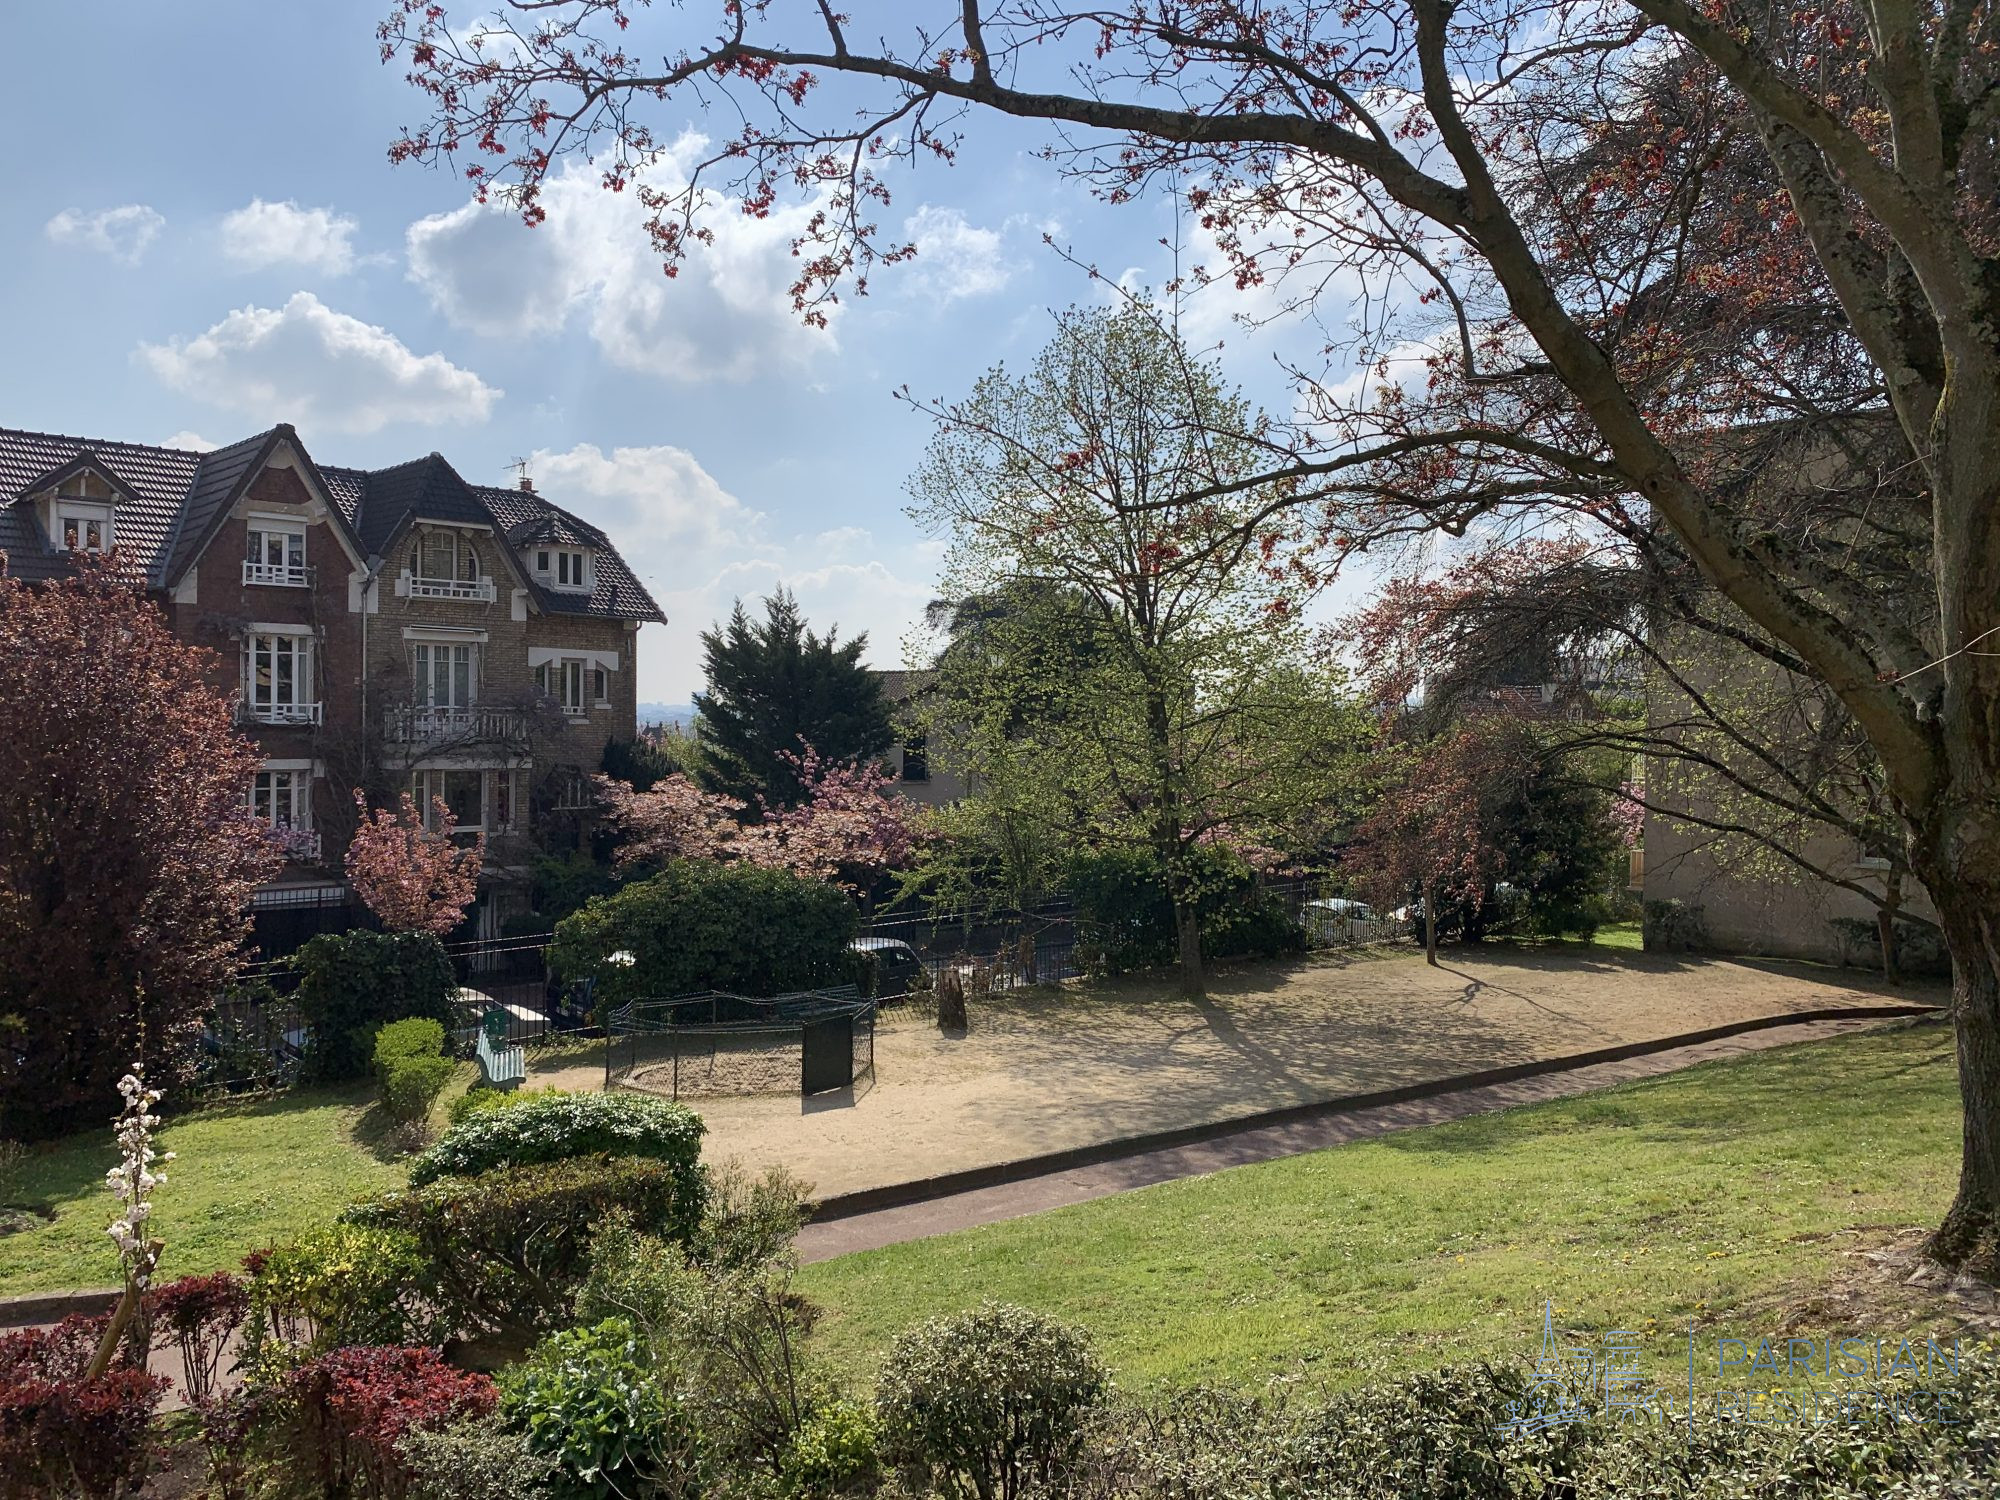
{"points": [[203, 236]]}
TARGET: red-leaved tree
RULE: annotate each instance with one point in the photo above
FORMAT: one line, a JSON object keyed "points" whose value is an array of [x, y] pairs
{"points": [[127, 850], [415, 878], [1428, 836]]}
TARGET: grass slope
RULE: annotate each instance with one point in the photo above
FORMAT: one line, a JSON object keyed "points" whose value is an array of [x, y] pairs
{"points": [[1723, 1193], [246, 1176]]}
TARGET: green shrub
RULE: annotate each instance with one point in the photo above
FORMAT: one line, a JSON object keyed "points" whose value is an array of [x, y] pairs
{"points": [[1445, 1435], [344, 1284], [483, 1097], [411, 1068], [590, 1400], [833, 1453], [352, 983], [563, 884], [1127, 919], [989, 1402], [475, 1460], [700, 925], [555, 1126], [508, 1249], [735, 1333], [413, 1036]]}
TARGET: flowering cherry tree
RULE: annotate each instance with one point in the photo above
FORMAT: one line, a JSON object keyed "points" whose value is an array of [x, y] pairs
{"points": [[844, 827], [415, 878], [672, 819]]}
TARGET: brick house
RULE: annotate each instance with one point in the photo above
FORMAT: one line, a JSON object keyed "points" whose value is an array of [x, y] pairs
{"points": [[390, 629]]}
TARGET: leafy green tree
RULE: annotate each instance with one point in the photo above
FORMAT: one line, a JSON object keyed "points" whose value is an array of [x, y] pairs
{"points": [[1136, 673], [774, 687]]}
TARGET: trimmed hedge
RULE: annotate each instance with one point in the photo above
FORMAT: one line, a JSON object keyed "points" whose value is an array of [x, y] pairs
{"points": [[411, 1067], [700, 925], [557, 1126], [352, 983]]}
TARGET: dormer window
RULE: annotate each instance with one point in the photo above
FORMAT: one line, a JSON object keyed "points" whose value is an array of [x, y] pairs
{"points": [[83, 526], [566, 568]]}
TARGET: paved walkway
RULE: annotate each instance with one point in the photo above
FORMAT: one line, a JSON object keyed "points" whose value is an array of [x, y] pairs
{"points": [[1063, 1069], [891, 1226]]}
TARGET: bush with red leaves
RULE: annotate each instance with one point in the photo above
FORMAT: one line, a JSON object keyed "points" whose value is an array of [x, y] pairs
{"points": [[61, 1434], [355, 1405], [198, 1315]]}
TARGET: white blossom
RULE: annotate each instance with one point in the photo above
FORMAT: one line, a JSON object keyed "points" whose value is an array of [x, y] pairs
{"points": [[132, 1181]]}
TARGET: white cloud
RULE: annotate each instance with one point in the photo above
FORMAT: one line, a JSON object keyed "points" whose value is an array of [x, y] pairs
{"points": [[308, 364], [283, 234], [123, 233], [727, 315], [954, 258], [193, 442], [698, 548]]}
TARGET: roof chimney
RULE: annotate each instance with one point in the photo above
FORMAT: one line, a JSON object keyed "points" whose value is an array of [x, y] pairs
{"points": [[526, 483]]}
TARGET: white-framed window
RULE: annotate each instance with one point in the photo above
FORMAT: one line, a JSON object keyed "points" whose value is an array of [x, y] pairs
{"points": [[275, 551], [482, 801], [445, 565], [83, 526], [278, 678], [563, 567], [282, 798], [564, 681], [600, 687], [445, 674]]}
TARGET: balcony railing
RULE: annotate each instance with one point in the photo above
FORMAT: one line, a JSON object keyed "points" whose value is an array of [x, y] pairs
{"points": [[427, 726], [281, 713], [284, 575], [480, 589]]}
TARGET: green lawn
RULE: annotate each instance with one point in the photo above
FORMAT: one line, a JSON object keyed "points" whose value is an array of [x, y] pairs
{"points": [[245, 1176], [1629, 935], [1725, 1193]]}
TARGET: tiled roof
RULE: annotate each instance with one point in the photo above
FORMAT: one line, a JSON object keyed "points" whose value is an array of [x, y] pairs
{"points": [[217, 482], [618, 594], [176, 497], [158, 477]]}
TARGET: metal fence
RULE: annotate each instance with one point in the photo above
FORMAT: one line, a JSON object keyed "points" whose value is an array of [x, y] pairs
{"points": [[996, 950], [719, 1043], [255, 1036]]}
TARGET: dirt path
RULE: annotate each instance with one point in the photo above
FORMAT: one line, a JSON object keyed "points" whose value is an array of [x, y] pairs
{"points": [[1053, 1069]]}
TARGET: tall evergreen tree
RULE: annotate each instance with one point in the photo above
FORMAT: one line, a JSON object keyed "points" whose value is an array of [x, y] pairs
{"points": [[775, 687]]}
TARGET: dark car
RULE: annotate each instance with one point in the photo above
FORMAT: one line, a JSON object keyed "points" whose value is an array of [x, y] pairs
{"points": [[898, 970]]}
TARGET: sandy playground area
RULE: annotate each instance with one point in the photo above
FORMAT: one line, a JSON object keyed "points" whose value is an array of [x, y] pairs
{"points": [[1053, 1068]]}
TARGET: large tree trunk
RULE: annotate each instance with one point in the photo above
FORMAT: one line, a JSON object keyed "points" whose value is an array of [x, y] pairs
{"points": [[1969, 1237], [1430, 926], [1187, 928]]}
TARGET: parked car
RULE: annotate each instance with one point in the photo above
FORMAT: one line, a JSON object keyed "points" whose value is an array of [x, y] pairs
{"points": [[898, 970], [1331, 919]]}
